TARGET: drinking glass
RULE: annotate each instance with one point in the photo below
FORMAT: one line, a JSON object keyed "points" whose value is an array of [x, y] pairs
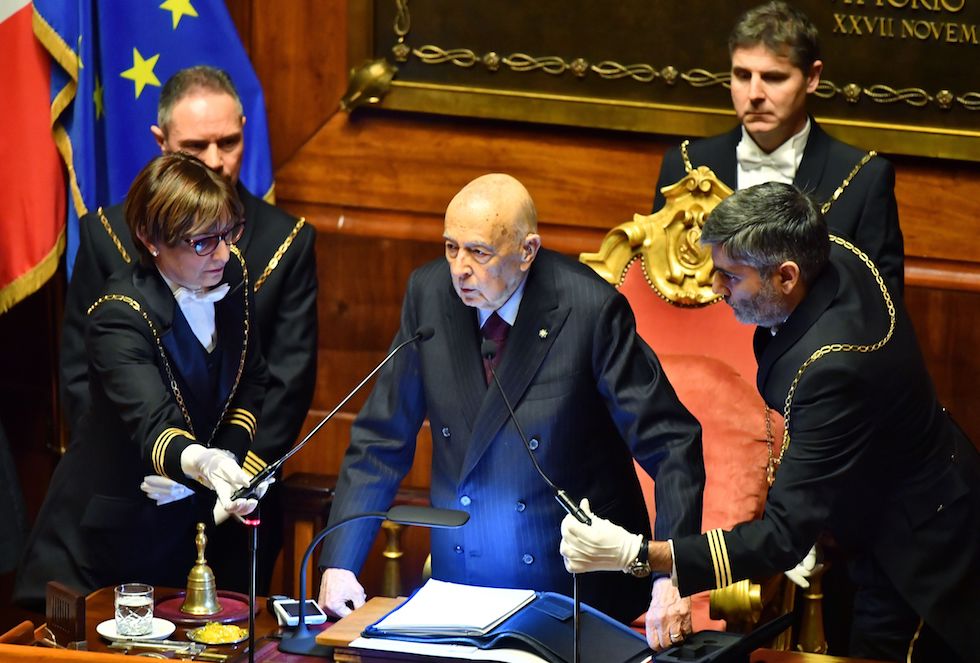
{"points": [[134, 609]]}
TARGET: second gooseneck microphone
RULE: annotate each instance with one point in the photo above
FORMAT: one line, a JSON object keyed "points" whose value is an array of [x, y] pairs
{"points": [[489, 350], [421, 334]]}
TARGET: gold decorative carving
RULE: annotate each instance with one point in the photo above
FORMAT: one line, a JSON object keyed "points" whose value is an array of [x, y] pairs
{"points": [[646, 73], [675, 264], [550, 64], [491, 61], [852, 92], [970, 100], [368, 84], [705, 78], [461, 57], [643, 73], [884, 94]]}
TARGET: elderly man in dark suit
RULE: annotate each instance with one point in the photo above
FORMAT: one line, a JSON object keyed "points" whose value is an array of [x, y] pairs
{"points": [[776, 64], [589, 392], [869, 455], [200, 113]]}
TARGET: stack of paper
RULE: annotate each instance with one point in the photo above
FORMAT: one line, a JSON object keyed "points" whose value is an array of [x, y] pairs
{"points": [[446, 608]]}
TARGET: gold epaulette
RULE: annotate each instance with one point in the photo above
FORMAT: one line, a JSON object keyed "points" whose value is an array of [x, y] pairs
{"points": [[277, 256], [112, 235]]}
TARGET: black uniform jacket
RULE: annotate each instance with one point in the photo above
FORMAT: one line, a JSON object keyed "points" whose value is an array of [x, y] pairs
{"points": [[279, 252], [865, 211], [152, 395], [587, 390], [873, 458]]}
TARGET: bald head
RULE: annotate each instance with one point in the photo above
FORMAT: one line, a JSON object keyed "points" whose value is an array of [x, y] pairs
{"points": [[497, 200], [491, 239]]}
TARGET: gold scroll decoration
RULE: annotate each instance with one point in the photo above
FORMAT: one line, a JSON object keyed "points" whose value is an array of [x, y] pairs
{"points": [[675, 264]]}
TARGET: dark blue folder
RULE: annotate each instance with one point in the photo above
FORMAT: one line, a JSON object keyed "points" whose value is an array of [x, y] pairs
{"points": [[544, 627]]}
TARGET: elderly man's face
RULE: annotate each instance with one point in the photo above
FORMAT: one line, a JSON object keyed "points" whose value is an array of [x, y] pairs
{"points": [[485, 257], [207, 125], [755, 300]]}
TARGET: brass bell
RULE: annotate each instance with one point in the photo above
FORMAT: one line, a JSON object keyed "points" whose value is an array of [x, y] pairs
{"points": [[202, 591]]}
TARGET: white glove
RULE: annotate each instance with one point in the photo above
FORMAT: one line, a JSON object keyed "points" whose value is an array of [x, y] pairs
{"points": [[163, 490], [219, 513], [601, 546], [808, 566], [218, 470], [338, 587]]}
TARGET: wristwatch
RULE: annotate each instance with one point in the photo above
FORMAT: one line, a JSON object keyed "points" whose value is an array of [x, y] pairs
{"points": [[640, 567]]}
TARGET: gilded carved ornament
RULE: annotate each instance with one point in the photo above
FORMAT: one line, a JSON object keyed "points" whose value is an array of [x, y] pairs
{"points": [[674, 263]]}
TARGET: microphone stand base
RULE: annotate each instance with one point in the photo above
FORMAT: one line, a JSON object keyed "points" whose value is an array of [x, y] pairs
{"points": [[305, 645]]}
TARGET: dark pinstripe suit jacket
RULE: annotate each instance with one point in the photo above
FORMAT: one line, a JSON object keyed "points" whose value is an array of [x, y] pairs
{"points": [[873, 458], [96, 527], [866, 212], [586, 388]]}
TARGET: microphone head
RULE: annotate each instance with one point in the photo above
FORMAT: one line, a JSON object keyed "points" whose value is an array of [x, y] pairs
{"points": [[425, 332], [488, 349], [427, 516]]}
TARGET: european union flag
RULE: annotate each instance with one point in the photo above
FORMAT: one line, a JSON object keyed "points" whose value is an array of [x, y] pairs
{"points": [[111, 58]]}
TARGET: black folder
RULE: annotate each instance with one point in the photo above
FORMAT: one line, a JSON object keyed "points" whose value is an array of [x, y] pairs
{"points": [[544, 627]]}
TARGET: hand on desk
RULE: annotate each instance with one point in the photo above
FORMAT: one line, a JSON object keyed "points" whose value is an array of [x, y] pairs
{"points": [[668, 620], [338, 588]]}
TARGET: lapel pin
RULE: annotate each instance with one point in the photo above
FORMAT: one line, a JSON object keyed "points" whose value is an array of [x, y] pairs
{"points": [[543, 333]]}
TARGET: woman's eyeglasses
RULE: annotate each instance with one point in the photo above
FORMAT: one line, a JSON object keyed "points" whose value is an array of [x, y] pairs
{"points": [[205, 246]]}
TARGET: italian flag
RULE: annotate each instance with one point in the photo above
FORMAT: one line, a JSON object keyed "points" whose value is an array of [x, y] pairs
{"points": [[32, 185]]}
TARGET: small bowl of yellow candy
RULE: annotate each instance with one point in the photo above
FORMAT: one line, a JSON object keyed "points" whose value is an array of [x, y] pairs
{"points": [[214, 633]]}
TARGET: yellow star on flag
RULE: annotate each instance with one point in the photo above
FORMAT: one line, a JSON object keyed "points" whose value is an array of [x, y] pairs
{"points": [[178, 9], [98, 98], [141, 73]]}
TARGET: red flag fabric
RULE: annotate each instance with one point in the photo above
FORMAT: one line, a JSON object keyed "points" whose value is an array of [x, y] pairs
{"points": [[32, 183]]}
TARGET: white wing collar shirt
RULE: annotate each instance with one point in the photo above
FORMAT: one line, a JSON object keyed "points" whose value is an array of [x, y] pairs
{"points": [[780, 165]]}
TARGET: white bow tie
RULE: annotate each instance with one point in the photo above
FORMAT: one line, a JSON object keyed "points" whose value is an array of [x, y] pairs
{"points": [[782, 160], [183, 295]]}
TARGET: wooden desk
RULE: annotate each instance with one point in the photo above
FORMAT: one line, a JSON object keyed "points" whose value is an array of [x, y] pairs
{"points": [[99, 607]]}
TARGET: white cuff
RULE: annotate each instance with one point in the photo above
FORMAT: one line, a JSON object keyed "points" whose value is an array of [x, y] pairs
{"points": [[673, 563]]}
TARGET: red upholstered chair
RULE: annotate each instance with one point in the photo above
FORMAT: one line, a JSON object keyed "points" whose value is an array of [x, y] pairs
{"points": [[658, 264]]}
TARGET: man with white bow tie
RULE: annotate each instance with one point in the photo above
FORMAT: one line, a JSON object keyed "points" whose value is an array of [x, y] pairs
{"points": [[776, 64]]}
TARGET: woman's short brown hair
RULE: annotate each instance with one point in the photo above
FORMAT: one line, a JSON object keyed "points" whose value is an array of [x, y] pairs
{"points": [[176, 196]]}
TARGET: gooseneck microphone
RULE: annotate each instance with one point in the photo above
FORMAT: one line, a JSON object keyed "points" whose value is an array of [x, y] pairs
{"points": [[489, 350], [421, 334]]}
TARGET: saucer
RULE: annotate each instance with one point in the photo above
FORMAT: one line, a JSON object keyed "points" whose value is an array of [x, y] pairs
{"points": [[161, 629]]}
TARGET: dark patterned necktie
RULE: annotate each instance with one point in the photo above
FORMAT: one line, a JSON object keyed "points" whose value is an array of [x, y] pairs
{"points": [[494, 329]]}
